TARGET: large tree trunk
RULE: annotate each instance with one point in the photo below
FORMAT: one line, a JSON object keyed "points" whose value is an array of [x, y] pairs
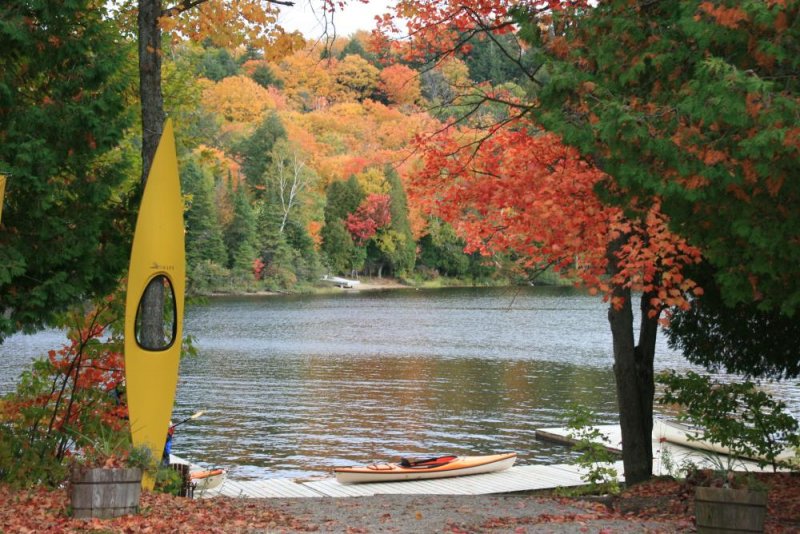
{"points": [[152, 102], [633, 371]]}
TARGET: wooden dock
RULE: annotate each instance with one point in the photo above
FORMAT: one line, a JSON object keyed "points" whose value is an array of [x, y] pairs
{"points": [[667, 459], [518, 478]]}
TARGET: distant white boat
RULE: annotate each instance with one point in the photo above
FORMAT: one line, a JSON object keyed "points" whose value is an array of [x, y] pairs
{"points": [[341, 282]]}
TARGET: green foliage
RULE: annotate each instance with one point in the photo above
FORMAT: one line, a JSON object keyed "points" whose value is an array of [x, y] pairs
{"points": [[594, 458], [405, 248], [740, 339], [338, 246], [241, 238], [65, 100], [264, 77], [203, 230], [497, 59], [442, 251], [205, 277], [355, 48], [216, 64], [255, 151], [344, 198], [736, 415], [168, 481]]}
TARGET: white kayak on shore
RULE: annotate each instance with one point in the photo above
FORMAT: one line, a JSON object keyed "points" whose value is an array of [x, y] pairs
{"points": [[438, 467]]}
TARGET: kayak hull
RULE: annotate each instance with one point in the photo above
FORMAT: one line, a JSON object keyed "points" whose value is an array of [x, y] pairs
{"points": [[158, 258], [689, 436], [392, 472], [207, 480]]}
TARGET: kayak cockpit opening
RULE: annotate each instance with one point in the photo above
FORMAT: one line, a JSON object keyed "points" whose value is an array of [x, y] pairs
{"points": [[426, 463]]}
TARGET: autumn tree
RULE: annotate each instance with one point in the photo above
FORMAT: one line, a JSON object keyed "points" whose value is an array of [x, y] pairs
{"points": [[693, 108], [64, 109], [401, 85], [524, 192], [355, 78], [372, 215], [688, 114]]}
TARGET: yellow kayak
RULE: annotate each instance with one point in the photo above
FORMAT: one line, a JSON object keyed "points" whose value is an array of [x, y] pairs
{"points": [[2, 193], [158, 260], [440, 467]]}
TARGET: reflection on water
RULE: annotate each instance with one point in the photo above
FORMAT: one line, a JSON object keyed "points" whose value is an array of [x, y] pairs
{"points": [[293, 386]]}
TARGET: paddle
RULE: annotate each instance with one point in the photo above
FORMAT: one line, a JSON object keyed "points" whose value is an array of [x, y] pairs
{"points": [[193, 416]]}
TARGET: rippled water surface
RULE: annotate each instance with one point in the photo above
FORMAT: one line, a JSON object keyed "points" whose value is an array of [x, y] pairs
{"points": [[293, 386]]}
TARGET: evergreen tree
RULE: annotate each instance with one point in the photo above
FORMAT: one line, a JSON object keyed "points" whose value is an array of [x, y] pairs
{"points": [[443, 251], [216, 64], [275, 251], [343, 198], [496, 59], [241, 239], [65, 233], [338, 246], [203, 233], [264, 77], [354, 47], [402, 261], [255, 151]]}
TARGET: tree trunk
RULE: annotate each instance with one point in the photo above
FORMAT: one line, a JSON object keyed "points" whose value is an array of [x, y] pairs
{"points": [[152, 102], [633, 371]]}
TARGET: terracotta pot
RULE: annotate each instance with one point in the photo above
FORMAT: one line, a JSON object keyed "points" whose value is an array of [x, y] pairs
{"points": [[105, 493], [729, 510]]}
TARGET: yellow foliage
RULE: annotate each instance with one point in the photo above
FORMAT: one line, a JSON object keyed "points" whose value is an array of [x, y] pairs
{"points": [[238, 99], [372, 181]]}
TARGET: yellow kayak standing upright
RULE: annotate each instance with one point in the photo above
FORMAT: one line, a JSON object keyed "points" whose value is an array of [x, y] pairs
{"points": [[2, 193], [157, 267]]}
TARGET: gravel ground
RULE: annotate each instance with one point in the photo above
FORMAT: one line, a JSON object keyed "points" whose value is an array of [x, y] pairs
{"points": [[459, 514]]}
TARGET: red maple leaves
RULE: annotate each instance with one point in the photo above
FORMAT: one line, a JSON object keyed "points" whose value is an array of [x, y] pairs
{"points": [[521, 190], [371, 215]]}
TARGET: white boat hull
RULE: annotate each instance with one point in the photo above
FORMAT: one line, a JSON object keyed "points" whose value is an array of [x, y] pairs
{"points": [[688, 436]]}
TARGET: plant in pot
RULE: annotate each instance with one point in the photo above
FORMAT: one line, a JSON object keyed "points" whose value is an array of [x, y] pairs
{"points": [[751, 425], [106, 477]]}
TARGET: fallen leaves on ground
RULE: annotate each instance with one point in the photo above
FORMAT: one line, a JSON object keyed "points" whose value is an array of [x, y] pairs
{"points": [[661, 501], [46, 511]]}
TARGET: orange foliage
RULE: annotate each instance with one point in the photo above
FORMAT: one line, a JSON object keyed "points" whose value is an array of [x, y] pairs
{"points": [[401, 85], [534, 196], [729, 17]]}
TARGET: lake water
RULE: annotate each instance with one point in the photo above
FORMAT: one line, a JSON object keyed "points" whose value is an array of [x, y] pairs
{"points": [[293, 386]]}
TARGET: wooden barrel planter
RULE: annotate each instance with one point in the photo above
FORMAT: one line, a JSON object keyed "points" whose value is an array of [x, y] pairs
{"points": [[105, 493], [719, 510]]}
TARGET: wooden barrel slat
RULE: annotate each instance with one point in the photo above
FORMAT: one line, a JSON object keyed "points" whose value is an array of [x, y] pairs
{"points": [[105, 493], [723, 510]]}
